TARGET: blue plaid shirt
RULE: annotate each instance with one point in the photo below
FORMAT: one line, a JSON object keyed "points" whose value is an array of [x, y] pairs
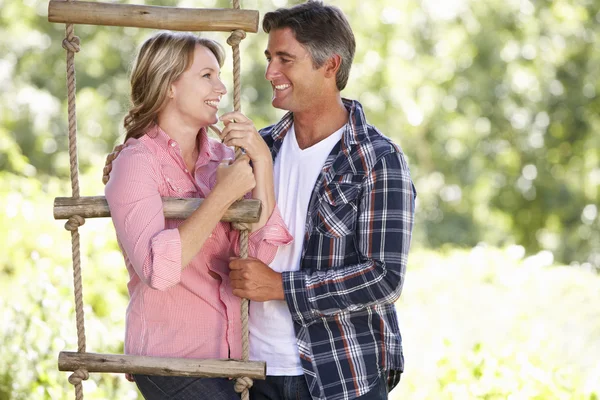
{"points": [[356, 242]]}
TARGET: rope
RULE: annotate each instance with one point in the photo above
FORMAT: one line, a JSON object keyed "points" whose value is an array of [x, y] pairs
{"points": [[71, 44], [242, 384]]}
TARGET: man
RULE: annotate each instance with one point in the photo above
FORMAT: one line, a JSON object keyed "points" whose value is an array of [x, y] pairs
{"points": [[322, 314]]}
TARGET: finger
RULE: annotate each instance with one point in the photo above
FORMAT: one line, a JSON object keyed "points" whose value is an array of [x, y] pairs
{"points": [[234, 115], [233, 134], [235, 130], [216, 131], [240, 293], [241, 143], [235, 265], [243, 159]]}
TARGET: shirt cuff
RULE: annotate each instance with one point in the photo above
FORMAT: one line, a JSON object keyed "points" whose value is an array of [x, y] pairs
{"points": [[164, 267], [273, 232]]}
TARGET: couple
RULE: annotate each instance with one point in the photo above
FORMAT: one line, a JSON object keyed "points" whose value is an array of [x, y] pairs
{"points": [[322, 305]]}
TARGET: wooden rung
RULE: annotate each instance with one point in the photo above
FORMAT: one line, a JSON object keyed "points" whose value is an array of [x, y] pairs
{"points": [[157, 17], [118, 363], [247, 211]]}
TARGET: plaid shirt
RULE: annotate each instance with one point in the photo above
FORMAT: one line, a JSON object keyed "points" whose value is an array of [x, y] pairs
{"points": [[356, 242]]}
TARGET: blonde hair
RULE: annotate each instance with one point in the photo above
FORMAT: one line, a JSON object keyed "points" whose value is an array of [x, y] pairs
{"points": [[160, 62]]}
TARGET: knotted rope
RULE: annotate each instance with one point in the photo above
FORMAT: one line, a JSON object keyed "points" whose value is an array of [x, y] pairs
{"points": [[242, 384], [71, 44]]}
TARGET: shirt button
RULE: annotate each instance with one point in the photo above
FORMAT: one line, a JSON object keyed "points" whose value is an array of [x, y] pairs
{"points": [[173, 144]]}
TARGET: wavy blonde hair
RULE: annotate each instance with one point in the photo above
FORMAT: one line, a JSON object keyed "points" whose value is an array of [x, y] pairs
{"points": [[160, 62]]}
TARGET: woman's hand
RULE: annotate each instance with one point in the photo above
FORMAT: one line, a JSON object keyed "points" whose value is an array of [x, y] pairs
{"points": [[240, 131], [236, 179]]}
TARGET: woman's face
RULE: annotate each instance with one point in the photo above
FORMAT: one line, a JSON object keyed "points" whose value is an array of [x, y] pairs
{"points": [[197, 92]]}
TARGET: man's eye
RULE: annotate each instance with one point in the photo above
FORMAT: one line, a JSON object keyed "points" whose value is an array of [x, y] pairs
{"points": [[285, 60]]}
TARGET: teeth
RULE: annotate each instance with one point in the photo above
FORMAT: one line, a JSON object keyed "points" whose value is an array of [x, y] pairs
{"points": [[212, 103], [282, 87]]}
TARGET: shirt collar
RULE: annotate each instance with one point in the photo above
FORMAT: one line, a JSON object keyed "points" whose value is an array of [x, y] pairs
{"points": [[355, 129], [205, 154]]}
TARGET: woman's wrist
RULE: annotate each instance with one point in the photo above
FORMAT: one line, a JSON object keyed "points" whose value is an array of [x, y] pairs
{"points": [[222, 195]]}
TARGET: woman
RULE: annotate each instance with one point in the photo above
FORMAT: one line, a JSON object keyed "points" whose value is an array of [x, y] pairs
{"points": [[181, 303]]}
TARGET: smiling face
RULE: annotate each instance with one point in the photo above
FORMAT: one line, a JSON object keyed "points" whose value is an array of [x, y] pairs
{"points": [[297, 85], [195, 95]]}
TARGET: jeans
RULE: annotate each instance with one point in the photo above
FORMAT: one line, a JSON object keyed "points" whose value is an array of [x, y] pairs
{"points": [[295, 388], [184, 388]]}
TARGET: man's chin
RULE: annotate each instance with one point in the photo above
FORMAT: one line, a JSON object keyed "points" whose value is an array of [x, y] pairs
{"points": [[278, 103]]}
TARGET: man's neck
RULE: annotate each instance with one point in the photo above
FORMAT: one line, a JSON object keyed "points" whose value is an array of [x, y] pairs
{"points": [[319, 122]]}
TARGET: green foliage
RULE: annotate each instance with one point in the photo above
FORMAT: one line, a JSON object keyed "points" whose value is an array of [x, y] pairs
{"points": [[36, 300], [491, 324], [495, 103]]}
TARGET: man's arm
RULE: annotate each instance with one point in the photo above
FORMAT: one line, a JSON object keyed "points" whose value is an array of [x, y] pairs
{"points": [[385, 221]]}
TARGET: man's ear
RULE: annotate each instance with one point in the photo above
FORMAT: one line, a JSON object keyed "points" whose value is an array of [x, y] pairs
{"points": [[332, 66]]}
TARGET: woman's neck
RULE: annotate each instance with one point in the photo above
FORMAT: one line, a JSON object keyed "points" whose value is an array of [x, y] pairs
{"points": [[185, 135]]}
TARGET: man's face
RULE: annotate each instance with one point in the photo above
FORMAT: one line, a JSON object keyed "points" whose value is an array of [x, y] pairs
{"points": [[297, 85]]}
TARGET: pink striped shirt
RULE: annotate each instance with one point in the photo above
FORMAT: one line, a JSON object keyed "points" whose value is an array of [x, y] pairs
{"points": [[175, 313]]}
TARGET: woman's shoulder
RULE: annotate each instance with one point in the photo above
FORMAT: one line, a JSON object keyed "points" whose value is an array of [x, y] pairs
{"points": [[138, 155]]}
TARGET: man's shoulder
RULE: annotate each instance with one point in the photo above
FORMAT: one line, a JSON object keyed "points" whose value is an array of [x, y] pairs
{"points": [[374, 146]]}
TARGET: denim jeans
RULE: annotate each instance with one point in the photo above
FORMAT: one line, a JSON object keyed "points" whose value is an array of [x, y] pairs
{"points": [[295, 388], [184, 388]]}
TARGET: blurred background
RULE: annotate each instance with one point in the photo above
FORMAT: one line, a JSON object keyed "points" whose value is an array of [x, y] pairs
{"points": [[496, 105]]}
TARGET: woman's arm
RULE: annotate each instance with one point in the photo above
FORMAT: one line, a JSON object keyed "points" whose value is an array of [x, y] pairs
{"points": [[233, 181], [157, 254], [240, 131]]}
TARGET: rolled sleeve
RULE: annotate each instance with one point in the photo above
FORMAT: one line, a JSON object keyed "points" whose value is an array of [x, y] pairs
{"points": [[162, 269], [263, 243]]}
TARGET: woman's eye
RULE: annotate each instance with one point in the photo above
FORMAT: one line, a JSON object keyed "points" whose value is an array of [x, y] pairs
{"points": [[206, 75]]}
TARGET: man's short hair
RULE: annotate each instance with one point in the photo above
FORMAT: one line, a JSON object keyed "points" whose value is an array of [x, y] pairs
{"points": [[322, 29]]}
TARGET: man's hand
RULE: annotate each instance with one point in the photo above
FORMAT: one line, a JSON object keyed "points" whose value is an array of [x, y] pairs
{"points": [[254, 280], [108, 163]]}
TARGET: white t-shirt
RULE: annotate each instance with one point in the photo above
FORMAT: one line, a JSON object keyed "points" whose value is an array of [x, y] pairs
{"points": [[272, 335]]}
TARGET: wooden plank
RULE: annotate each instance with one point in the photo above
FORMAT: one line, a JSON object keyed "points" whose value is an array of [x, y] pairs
{"points": [[157, 17], [118, 363], [247, 211]]}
